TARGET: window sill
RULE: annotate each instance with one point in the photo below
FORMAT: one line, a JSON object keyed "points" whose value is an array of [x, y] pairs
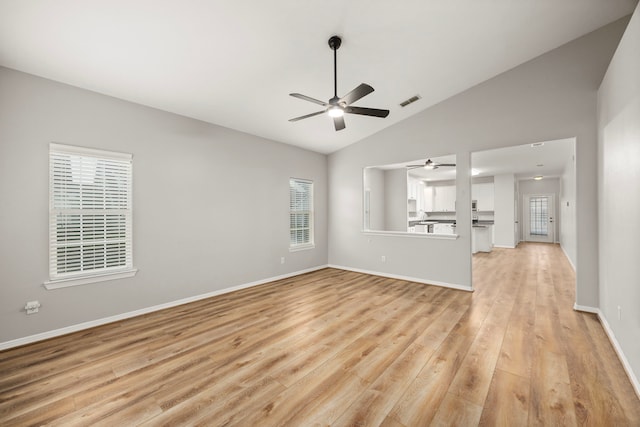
{"points": [[301, 248], [85, 280]]}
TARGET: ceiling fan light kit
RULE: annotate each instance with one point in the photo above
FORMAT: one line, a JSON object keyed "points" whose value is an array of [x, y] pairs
{"points": [[335, 112], [336, 107]]}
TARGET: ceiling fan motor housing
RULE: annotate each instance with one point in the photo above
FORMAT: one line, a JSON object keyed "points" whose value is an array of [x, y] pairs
{"points": [[335, 42], [336, 101]]}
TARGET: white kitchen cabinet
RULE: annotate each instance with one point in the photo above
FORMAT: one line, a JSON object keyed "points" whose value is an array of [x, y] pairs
{"points": [[442, 229], [481, 239], [412, 188], [444, 198], [412, 209], [415, 191], [483, 193], [427, 199]]}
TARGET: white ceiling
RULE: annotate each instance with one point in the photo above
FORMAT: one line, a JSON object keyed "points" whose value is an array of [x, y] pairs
{"points": [[525, 161], [233, 63]]}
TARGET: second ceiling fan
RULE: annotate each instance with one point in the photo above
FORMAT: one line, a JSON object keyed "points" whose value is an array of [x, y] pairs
{"points": [[337, 107], [430, 165]]}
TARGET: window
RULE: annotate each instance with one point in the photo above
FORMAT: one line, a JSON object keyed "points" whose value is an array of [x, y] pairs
{"points": [[89, 216], [300, 214], [538, 214]]}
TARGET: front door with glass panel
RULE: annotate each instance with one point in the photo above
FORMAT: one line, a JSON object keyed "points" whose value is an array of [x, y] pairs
{"points": [[538, 218]]}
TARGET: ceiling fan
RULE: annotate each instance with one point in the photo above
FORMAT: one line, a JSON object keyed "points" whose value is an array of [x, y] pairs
{"points": [[429, 164], [336, 107]]}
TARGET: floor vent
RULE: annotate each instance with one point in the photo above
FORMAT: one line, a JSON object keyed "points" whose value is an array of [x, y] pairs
{"points": [[410, 100]]}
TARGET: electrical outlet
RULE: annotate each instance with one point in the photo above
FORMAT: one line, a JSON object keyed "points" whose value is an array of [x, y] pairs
{"points": [[281, 260], [32, 307], [383, 258]]}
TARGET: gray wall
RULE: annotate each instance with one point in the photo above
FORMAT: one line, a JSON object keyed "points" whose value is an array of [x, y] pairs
{"points": [[504, 215], [374, 182], [619, 195], [568, 210], [551, 97], [210, 204], [395, 192]]}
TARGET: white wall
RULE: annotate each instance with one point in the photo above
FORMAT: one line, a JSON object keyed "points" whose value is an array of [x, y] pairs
{"points": [[619, 195], [568, 210], [548, 98], [504, 215], [210, 204], [544, 186]]}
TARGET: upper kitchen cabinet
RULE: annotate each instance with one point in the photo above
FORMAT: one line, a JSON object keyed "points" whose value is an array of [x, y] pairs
{"points": [[413, 185], [483, 193], [444, 199], [415, 196], [427, 198]]}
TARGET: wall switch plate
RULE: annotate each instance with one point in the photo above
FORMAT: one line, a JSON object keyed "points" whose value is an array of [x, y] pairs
{"points": [[383, 258], [281, 260], [32, 307], [619, 313]]}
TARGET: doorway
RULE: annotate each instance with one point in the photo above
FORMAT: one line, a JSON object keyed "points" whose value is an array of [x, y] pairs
{"points": [[538, 212]]}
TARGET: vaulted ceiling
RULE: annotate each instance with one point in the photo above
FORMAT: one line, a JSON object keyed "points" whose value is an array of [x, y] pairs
{"points": [[233, 63]]}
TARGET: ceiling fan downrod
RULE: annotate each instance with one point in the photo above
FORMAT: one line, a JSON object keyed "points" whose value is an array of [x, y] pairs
{"points": [[334, 44]]}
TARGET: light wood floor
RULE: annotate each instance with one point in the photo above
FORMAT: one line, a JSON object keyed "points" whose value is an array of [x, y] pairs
{"points": [[342, 349]]}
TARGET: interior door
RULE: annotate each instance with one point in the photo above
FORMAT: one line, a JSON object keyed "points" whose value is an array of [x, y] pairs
{"points": [[539, 225]]}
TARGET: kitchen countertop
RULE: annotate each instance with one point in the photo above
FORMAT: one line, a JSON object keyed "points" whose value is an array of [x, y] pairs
{"points": [[481, 223], [413, 222]]}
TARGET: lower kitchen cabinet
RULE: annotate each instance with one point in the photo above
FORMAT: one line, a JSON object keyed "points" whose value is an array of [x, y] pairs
{"points": [[442, 229], [481, 238]]}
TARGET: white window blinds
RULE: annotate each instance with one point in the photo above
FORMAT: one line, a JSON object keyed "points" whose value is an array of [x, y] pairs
{"points": [[300, 213], [89, 212]]}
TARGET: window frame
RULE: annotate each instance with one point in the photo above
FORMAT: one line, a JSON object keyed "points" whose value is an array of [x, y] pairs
{"points": [[58, 279], [311, 243]]}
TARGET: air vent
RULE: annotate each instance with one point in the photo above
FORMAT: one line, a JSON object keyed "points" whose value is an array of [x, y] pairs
{"points": [[411, 100], [537, 144]]}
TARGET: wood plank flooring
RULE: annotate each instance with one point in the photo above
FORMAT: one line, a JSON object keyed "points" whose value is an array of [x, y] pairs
{"points": [[343, 349]]}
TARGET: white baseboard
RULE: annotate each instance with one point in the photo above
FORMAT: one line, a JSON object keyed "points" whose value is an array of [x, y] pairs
{"points": [[616, 346], [98, 322], [586, 308], [400, 277], [568, 258], [504, 246]]}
